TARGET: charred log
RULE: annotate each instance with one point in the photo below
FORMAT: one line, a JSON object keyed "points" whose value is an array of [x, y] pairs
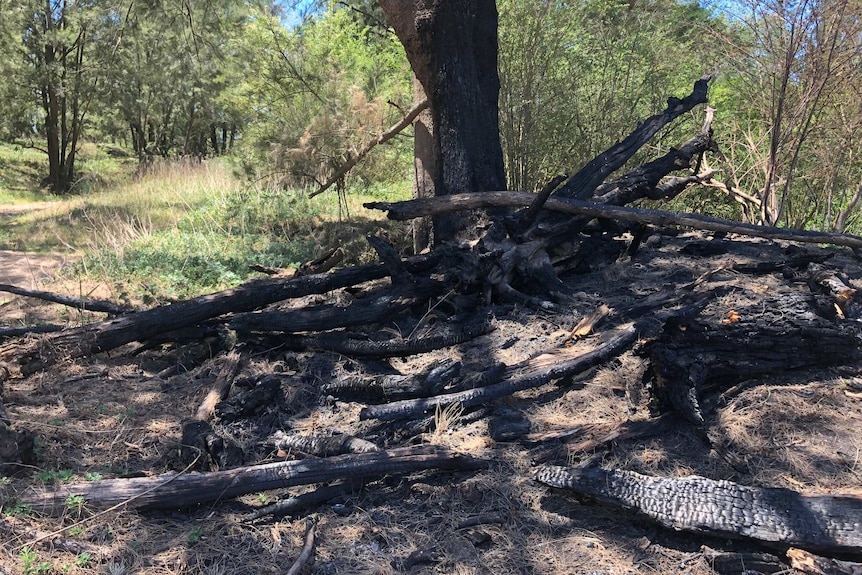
{"points": [[693, 356], [723, 508], [174, 490], [344, 343], [322, 445], [110, 334], [394, 387]]}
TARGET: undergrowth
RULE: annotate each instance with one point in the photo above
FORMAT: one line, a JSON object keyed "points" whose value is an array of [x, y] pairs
{"points": [[186, 228]]}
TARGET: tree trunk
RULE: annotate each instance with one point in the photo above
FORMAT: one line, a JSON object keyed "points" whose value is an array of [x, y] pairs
{"points": [[452, 48]]}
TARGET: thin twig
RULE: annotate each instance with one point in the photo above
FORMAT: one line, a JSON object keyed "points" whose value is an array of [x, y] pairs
{"points": [[307, 549]]}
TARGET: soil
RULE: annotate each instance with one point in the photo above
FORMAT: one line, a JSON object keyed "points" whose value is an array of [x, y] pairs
{"points": [[121, 414]]}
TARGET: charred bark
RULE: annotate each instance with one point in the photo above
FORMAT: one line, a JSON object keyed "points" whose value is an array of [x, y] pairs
{"points": [[140, 326], [177, 490], [722, 508], [347, 344], [694, 356]]}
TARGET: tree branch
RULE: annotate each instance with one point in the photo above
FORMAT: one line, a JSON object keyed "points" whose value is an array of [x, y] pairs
{"points": [[381, 139]]}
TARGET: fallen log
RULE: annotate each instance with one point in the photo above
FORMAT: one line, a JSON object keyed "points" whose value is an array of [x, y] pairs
{"points": [[328, 316], [176, 490], [110, 334], [827, 523], [298, 503], [420, 207], [85, 304], [394, 386], [524, 376], [693, 356], [343, 343], [321, 445]]}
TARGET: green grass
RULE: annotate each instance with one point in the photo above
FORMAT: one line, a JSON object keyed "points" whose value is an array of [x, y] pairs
{"points": [[212, 245], [20, 173], [187, 228]]}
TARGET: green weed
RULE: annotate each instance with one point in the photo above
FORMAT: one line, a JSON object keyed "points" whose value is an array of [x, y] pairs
{"points": [[30, 563]]}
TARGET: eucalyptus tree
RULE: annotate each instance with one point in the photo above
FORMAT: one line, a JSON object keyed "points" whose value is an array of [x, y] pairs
{"points": [[57, 54]]}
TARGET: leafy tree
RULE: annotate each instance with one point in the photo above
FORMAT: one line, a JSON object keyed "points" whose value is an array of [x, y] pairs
{"points": [[59, 60], [322, 90], [796, 123], [577, 76]]}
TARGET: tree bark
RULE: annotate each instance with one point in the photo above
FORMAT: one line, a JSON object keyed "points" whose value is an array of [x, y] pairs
{"points": [[174, 490], [452, 48], [722, 508]]}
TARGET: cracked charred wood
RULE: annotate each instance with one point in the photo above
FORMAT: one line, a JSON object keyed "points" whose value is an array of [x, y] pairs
{"points": [[529, 374], [102, 336], [716, 507], [394, 387], [693, 356], [177, 490], [321, 445], [343, 343], [328, 316]]}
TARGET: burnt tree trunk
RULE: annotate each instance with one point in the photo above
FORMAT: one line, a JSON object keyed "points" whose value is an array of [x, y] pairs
{"points": [[452, 48]]}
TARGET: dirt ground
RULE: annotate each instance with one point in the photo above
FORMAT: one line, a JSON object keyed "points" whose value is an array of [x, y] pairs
{"points": [[120, 414]]}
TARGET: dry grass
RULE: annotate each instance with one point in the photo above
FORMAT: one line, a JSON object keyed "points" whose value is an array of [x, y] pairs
{"points": [[114, 415]]}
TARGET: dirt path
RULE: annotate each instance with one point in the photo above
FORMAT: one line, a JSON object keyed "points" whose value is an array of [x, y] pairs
{"points": [[28, 270]]}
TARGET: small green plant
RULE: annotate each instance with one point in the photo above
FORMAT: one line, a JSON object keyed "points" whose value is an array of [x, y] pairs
{"points": [[16, 509], [50, 476], [194, 536], [75, 531], [75, 504], [83, 559], [30, 564], [261, 498], [92, 476]]}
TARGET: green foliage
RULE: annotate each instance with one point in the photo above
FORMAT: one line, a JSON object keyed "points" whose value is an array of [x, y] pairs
{"points": [[577, 77], [14, 508], [194, 536], [52, 476], [30, 563]]}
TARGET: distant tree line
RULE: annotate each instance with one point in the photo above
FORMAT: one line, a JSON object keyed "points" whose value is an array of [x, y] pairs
{"points": [[298, 94]]}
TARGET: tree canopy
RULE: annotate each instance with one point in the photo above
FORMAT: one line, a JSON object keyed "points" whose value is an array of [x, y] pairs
{"points": [[299, 92]]}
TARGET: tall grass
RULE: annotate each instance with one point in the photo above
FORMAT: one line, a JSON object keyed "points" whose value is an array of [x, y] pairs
{"points": [[185, 228], [206, 237]]}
